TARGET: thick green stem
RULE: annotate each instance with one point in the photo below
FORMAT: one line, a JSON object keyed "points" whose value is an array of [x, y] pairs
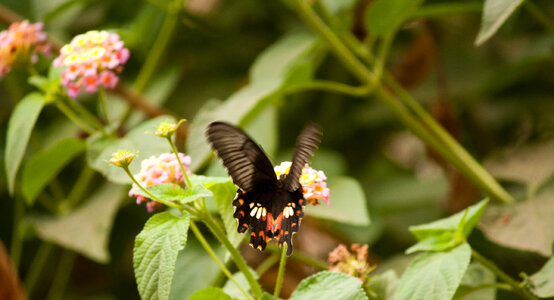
{"points": [[86, 115], [211, 252], [302, 258], [281, 273], [518, 287], [80, 186], [74, 118], [17, 232], [61, 277], [437, 138], [239, 261], [103, 105], [150, 195], [180, 163], [37, 265], [331, 86]]}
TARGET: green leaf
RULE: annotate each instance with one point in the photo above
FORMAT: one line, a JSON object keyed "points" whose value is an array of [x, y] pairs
{"points": [[495, 13], [212, 293], [471, 287], [85, 230], [140, 140], [198, 191], [347, 202], [542, 282], [382, 285], [434, 275], [232, 290], [21, 123], [267, 78], [155, 253], [448, 232], [329, 285], [527, 226], [164, 191], [385, 16], [44, 166]]}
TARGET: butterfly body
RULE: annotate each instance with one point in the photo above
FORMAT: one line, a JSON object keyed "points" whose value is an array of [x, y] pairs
{"points": [[270, 207]]}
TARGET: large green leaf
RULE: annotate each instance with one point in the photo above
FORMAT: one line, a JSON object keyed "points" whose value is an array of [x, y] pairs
{"points": [[495, 13], [267, 77], [329, 285], [382, 286], [155, 253], [347, 202], [472, 284], [384, 16], [21, 124], [231, 288], [434, 275], [212, 293], [140, 140], [448, 232], [44, 166], [542, 282], [87, 229], [527, 225]]}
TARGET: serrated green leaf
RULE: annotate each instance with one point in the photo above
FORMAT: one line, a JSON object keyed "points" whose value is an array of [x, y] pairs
{"points": [[223, 194], [434, 275], [347, 202], [231, 289], [382, 286], [164, 191], [384, 16], [44, 166], [198, 191], [267, 77], [542, 282], [495, 13], [155, 253], [471, 287], [448, 232], [85, 230], [329, 285], [140, 140], [21, 124], [212, 293]]}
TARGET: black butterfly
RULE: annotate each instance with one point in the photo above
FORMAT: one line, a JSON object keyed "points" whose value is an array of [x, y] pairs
{"points": [[271, 207]]}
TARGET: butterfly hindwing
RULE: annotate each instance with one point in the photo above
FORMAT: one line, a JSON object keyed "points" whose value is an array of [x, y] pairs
{"points": [[245, 161], [308, 141]]}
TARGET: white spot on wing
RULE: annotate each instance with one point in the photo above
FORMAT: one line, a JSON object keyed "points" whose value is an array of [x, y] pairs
{"points": [[253, 211]]}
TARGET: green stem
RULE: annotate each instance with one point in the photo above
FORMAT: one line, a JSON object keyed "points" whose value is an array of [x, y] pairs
{"points": [[74, 118], [102, 99], [150, 195], [211, 252], [37, 266], [80, 186], [281, 273], [239, 261], [267, 264], [437, 138], [62, 275], [518, 287], [320, 265], [180, 163], [17, 233], [540, 16], [85, 114], [331, 86], [447, 9], [469, 290]]}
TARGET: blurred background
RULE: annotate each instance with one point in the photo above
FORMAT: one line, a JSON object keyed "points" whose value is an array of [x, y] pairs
{"points": [[496, 99]]}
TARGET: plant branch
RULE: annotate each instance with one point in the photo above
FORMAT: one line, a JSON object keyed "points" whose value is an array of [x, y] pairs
{"points": [[150, 195], [518, 287], [281, 273], [37, 265], [74, 118], [331, 86], [62, 275], [211, 252], [180, 163]]}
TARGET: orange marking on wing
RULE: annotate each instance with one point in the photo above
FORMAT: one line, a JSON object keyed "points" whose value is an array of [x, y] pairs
{"points": [[242, 213], [298, 212], [263, 218], [253, 233], [286, 232], [293, 224], [300, 201], [269, 225], [245, 225], [251, 245], [241, 202]]}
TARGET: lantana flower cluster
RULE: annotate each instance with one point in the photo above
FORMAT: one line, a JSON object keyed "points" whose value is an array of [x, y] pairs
{"points": [[22, 41], [314, 187], [352, 263], [156, 170], [91, 60]]}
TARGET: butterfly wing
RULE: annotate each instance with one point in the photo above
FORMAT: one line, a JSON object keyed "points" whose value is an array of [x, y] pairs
{"points": [[245, 161], [308, 141]]}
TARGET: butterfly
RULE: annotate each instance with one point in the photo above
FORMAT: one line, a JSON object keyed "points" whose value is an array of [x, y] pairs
{"points": [[270, 206]]}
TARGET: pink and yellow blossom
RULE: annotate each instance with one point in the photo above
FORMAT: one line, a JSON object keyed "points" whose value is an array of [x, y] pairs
{"points": [[91, 61], [352, 263], [314, 187], [21, 42]]}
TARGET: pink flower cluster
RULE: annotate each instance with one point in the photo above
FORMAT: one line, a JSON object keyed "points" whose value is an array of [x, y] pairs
{"points": [[352, 263], [20, 42], [162, 169], [313, 182], [91, 60]]}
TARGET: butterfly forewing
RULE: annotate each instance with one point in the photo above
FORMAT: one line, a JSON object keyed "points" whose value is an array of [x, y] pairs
{"points": [[245, 161], [308, 141]]}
